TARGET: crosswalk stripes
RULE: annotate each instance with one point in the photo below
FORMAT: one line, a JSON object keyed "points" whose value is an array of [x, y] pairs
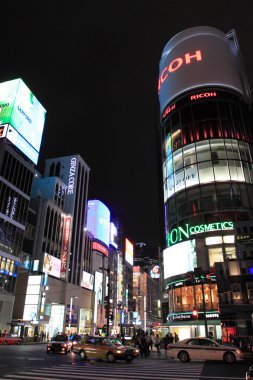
{"points": [[163, 371]]}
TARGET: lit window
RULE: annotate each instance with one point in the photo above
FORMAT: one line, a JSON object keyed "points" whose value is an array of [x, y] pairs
{"points": [[214, 240], [229, 239]]}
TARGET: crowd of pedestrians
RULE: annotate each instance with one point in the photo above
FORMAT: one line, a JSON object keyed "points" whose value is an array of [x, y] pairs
{"points": [[147, 342]]}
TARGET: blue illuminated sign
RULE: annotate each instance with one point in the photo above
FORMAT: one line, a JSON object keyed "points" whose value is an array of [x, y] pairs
{"points": [[98, 221]]}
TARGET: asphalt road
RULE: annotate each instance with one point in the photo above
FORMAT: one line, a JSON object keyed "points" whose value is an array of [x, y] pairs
{"points": [[32, 362]]}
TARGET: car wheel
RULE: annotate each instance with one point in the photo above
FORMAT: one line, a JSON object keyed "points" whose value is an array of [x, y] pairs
{"points": [[48, 352], [129, 359], [229, 357], [110, 357], [183, 356], [83, 355]]}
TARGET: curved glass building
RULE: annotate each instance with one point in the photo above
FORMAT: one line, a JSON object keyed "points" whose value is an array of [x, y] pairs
{"points": [[206, 139]]}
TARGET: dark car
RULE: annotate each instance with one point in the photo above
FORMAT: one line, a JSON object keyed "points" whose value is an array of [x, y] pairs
{"points": [[59, 343]]}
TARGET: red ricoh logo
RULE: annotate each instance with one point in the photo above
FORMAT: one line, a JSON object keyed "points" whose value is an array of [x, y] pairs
{"points": [[176, 64], [203, 95]]}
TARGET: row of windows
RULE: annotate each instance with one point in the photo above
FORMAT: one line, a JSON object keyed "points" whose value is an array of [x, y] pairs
{"points": [[53, 232], [13, 204], [188, 297], [11, 238], [208, 120], [205, 151], [207, 172], [213, 198], [16, 173]]}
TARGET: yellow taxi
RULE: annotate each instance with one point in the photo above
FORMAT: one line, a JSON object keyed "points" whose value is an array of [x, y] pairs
{"points": [[100, 347]]}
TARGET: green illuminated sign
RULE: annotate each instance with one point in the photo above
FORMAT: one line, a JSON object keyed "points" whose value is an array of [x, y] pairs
{"points": [[178, 234]]}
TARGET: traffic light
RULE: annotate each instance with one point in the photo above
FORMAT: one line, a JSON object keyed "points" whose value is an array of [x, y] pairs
{"points": [[195, 313]]}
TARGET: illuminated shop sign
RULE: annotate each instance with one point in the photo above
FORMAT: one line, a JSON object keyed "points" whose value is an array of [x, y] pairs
{"points": [[203, 95], [176, 64], [168, 110], [100, 248], [190, 317], [72, 172], [178, 234], [65, 245]]}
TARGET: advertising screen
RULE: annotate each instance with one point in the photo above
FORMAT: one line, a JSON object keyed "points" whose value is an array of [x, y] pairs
{"points": [[87, 280], [51, 265], [155, 272], [129, 252], [98, 221], [180, 258], [188, 60], [113, 235], [25, 116]]}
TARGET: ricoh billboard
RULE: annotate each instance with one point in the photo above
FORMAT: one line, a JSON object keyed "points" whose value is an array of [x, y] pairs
{"points": [[22, 117], [98, 221], [198, 57]]}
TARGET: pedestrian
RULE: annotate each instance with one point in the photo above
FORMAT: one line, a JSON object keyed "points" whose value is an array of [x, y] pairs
{"points": [[148, 340], [166, 342], [158, 344], [152, 341], [171, 338], [176, 337]]}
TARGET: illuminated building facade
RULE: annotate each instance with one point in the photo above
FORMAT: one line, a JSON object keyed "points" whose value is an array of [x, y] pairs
{"points": [[21, 129], [206, 142]]}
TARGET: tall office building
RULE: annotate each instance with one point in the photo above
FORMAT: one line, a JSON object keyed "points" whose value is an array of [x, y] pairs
{"points": [[206, 138], [21, 128], [74, 172]]}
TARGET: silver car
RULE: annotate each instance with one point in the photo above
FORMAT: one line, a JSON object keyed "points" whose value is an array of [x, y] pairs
{"points": [[203, 349]]}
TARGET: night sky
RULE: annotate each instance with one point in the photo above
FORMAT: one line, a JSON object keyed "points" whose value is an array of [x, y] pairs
{"points": [[94, 66]]}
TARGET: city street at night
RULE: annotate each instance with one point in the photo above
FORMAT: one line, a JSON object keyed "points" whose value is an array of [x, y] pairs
{"points": [[32, 362]]}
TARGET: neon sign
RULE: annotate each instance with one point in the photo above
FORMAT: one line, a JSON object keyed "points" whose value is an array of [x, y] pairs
{"points": [[176, 64], [168, 110], [178, 234], [203, 95]]}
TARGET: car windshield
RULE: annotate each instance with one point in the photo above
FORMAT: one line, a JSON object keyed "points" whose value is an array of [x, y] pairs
{"points": [[59, 338]]}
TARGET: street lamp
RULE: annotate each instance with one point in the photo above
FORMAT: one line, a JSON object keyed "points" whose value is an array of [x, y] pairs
{"points": [[70, 311]]}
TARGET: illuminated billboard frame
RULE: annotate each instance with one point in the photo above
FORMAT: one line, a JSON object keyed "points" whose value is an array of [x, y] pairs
{"points": [[129, 252], [180, 258], [22, 116]]}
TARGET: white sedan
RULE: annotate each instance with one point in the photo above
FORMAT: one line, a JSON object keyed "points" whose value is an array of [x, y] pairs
{"points": [[203, 349]]}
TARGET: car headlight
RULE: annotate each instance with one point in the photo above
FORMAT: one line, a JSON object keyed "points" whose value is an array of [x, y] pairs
{"points": [[239, 352], [119, 351], [136, 350]]}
